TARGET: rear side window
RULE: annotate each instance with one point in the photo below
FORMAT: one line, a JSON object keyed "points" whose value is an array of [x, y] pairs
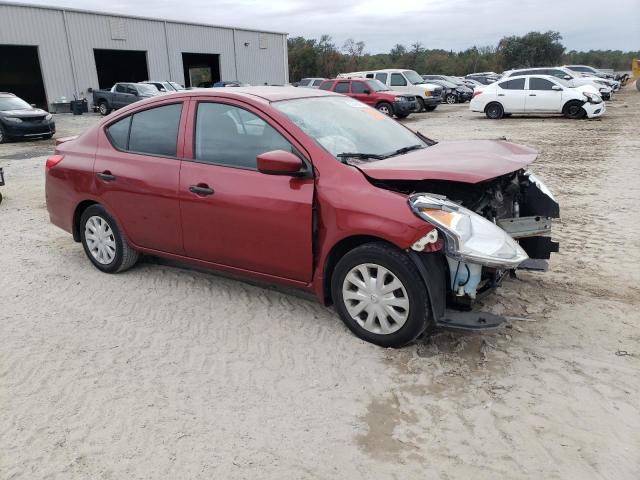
{"points": [[342, 87], [517, 84], [358, 87], [398, 80], [536, 83], [119, 133], [326, 85], [155, 131], [382, 77]]}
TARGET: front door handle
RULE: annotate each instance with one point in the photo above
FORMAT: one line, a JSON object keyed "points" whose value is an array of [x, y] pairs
{"points": [[106, 176], [202, 190], [532, 94], [501, 94]]}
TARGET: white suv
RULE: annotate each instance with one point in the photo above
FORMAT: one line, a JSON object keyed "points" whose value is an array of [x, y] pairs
{"points": [[428, 95], [599, 85], [536, 94]]}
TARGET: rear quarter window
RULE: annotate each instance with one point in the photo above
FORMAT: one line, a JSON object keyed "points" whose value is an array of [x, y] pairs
{"points": [[118, 133]]}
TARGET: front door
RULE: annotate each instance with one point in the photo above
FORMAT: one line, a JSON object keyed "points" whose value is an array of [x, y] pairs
{"points": [[234, 215], [137, 173], [541, 97], [360, 90]]}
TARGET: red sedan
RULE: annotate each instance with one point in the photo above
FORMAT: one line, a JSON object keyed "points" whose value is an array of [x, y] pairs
{"points": [[308, 189]]}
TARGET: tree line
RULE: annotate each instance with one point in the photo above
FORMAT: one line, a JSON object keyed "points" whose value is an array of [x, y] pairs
{"points": [[321, 57]]}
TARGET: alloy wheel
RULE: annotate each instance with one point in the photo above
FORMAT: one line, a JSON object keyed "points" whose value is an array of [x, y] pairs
{"points": [[100, 240], [375, 298]]}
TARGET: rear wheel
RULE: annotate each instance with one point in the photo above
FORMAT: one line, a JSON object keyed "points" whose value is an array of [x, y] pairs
{"points": [[573, 110], [386, 108], [380, 296], [104, 243], [494, 111], [103, 108]]}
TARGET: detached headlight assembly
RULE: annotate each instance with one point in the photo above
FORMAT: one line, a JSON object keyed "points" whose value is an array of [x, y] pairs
{"points": [[13, 119], [469, 237]]}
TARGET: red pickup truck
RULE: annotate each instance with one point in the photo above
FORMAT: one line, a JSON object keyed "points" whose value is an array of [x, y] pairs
{"points": [[375, 94]]}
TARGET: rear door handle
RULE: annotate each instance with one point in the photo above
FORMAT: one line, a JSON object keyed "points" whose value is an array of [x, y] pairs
{"points": [[106, 176], [532, 94], [501, 94], [201, 189]]}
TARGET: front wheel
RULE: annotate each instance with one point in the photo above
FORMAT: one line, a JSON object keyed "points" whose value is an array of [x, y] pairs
{"points": [[451, 99], [380, 296], [574, 110], [494, 111], [386, 108], [104, 243]]}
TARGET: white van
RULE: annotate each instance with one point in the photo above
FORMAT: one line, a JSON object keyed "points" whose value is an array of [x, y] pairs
{"points": [[428, 95]]}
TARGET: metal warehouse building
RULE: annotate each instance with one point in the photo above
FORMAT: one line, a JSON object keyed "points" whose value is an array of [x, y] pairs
{"points": [[47, 53]]}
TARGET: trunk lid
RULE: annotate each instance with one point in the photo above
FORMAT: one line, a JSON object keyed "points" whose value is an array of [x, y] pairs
{"points": [[470, 161]]}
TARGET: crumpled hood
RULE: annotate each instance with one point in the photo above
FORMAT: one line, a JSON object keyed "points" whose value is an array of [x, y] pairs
{"points": [[25, 113], [469, 161]]}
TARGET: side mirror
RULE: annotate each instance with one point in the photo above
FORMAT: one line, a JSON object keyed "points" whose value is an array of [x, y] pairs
{"points": [[279, 162], [367, 92], [567, 77], [557, 88]]}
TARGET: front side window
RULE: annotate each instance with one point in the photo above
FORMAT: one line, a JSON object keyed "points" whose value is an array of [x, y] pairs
{"points": [[317, 83], [231, 136], [536, 83], [121, 88], [358, 87], [398, 80], [516, 84], [342, 87], [155, 131], [342, 126], [377, 86], [326, 85]]}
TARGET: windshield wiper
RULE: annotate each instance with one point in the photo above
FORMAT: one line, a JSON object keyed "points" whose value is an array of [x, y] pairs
{"points": [[359, 156], [404, 150]]}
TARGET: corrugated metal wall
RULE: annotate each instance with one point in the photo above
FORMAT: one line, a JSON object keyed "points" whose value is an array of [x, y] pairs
{"points": [[164, 41]]}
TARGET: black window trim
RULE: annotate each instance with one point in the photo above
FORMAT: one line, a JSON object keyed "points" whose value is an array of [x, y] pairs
{"points": [[130, 115], [307, 172]]}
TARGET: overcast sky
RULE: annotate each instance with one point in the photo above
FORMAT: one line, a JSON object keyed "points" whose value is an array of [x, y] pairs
{"points": [[447, 24]]}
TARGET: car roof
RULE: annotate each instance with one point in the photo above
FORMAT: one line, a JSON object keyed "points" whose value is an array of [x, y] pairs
{"points": [[515, 77], [268, 93], [7, 94]]}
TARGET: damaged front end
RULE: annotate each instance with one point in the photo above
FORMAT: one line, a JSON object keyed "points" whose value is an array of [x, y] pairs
{"points": [[490, 228]]}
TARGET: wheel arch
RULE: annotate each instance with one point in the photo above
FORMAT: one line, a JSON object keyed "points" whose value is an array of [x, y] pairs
{"points": [[491, 103], [77, 215]]}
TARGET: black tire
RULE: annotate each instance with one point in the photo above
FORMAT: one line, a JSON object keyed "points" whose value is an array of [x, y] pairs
{"points": [[574, 110], [125, 257], [399, 265], [430, 108], [494, 111], [451, 99], [386, 108], [103, 108], [421, 106], [3, 135]]}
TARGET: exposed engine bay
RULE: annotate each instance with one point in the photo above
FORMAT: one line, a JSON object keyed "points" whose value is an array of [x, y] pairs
{"points": [[518, 202]]}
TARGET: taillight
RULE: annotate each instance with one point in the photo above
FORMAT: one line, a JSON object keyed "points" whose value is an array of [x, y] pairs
{"points": [[476, 93], [52, 162]]}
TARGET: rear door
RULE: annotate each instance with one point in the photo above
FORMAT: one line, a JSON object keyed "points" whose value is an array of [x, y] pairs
{"points": [[232, 214], [511, 94], [541, 97], [137, 170], [342, 86]]}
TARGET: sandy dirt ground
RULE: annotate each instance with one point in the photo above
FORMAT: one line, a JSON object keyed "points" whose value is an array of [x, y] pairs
{"points": [[165, 372]]}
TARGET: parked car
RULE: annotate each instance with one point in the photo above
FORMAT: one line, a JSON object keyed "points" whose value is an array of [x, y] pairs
{"points": [[428, 95], [375, 94], [18, 119], [594, 72], [471, 83], [536, 94], [308, 189], [485, 78], [165, 86], [229, 83], [311, 82], [597, 85], [121, 95], [452, 92]]}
